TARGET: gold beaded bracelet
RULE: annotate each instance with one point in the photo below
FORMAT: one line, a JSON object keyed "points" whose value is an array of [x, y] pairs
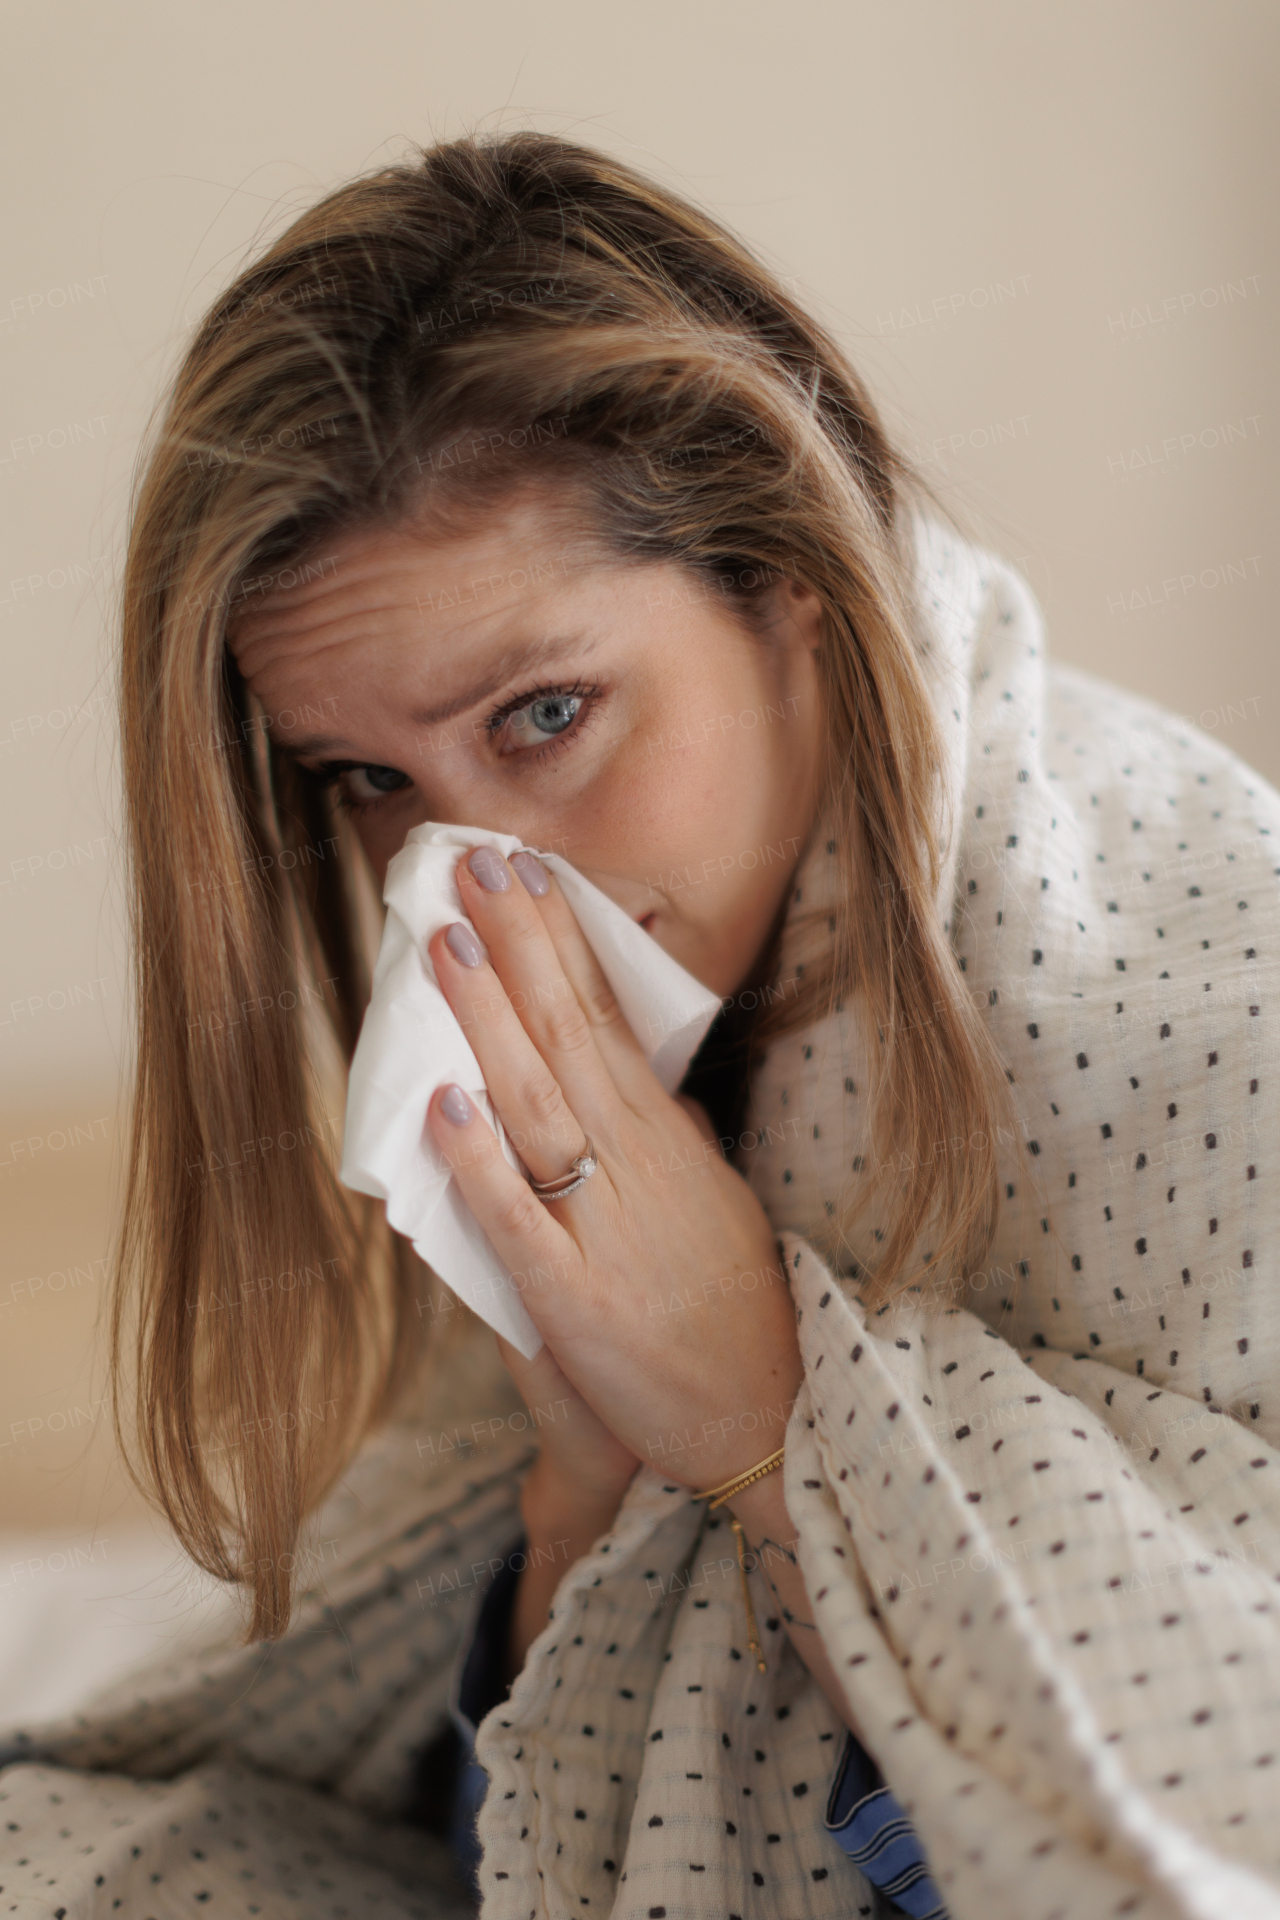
{"points": [[718, 1497], [726, 1490]]}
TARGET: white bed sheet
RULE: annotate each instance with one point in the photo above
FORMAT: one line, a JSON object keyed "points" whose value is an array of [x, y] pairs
{"points": [[76, 1611]]}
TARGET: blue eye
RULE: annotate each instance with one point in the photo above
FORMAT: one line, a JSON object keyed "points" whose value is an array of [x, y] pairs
{"points": [[383, 779], [542, 721], [543, 718], [364, 785], [359, 787]]}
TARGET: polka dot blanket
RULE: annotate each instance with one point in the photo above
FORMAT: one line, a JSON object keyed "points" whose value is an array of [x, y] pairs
{"points": [[1040, 1529]]}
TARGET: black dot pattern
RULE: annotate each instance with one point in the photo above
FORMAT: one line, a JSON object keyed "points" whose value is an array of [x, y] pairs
{"points": [[1021, 1479], [1137, 1221], [276, 1779], [222, 1837], [706, 1779], [1040, 1532], [1023, 1523]]}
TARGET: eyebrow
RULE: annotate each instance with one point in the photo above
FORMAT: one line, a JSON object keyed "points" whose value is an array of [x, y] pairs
{"points": [[516, 662]]}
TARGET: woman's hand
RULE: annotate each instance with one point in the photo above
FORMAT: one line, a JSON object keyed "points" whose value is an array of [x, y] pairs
{"points": [[581, 1467], [657, 1284]]}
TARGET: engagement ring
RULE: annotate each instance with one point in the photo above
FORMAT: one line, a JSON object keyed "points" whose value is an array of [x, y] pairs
{"points": [[581, 1170]]}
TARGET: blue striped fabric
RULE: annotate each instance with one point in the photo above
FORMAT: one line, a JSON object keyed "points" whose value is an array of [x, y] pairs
{"points": [[478, 1687], [866, 1821], [471, 1784]]}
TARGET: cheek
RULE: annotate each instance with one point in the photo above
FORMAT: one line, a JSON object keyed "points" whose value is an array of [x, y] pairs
{"points": [[698, 818], [382, 838]]}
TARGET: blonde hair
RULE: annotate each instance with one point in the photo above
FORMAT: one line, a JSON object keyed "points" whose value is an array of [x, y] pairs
{"points": [[592, 327]]}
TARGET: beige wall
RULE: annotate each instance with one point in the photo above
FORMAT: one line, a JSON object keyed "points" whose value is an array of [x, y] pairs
{"points": [[1044, 233]]}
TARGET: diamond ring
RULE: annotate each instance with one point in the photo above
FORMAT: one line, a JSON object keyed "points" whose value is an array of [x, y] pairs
{"points": [[565, 1183]]}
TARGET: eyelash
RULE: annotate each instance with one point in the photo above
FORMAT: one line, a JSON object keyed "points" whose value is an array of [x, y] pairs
{"points": [[346, 802], [588, 696], [331, 773]]}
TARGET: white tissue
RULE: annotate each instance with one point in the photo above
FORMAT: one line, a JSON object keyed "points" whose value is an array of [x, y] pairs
{"points": [[411, 1043]]}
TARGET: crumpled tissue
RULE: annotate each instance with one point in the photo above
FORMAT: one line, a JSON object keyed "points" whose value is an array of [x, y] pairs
{"points": [[411, 1042]]}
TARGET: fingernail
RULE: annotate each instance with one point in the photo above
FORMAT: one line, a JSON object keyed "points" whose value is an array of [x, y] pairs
{"points": [[455, 1106], [463, 945], [490, 870], [530, 870]]}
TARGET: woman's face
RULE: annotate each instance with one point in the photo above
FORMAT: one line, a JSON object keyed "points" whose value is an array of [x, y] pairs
{"points": [[515, 678]]}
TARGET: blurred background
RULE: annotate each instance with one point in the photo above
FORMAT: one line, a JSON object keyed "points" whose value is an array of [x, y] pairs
{"points": [[1045, 236]]}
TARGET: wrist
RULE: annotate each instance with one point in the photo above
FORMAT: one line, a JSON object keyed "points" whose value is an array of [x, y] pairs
{"points": [[762, 1509], [555, 1510]]}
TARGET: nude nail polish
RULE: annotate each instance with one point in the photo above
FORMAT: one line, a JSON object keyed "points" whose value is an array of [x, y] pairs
{"points": [[489, 869], [531, 872], [463, 945]]}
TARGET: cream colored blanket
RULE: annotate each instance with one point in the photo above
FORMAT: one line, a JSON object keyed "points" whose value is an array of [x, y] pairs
{"points": [[1040, 1532]]}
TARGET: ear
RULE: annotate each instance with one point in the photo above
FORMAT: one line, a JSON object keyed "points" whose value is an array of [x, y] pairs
{"points": [[805, 610], [795, 614]]}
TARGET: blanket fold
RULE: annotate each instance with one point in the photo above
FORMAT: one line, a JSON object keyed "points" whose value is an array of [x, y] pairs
{"points": [[1039, 1524]]}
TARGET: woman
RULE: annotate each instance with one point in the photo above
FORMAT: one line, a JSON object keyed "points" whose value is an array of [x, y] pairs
{"points": [[508, 490]]}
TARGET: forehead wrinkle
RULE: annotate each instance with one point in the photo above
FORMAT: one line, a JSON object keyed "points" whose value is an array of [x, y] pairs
{"points": [[272, 620], [285, 604], [283, 619], [264, 641], [261, 647], [352, 574]]}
